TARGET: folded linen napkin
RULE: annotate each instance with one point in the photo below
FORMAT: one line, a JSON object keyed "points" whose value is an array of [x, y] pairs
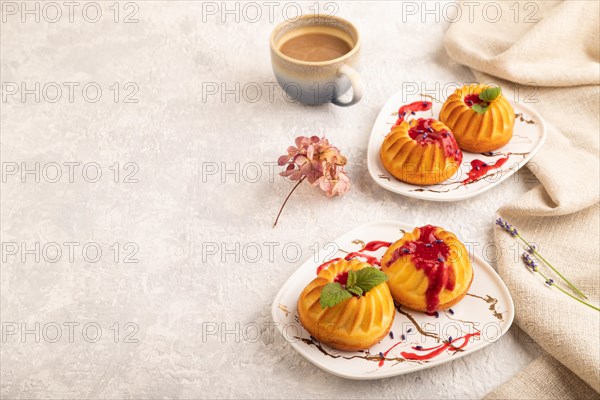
{"points": [[551, 52]]}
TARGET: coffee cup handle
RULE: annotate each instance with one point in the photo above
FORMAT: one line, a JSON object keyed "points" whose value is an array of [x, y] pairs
{"points": [[357, 86]]}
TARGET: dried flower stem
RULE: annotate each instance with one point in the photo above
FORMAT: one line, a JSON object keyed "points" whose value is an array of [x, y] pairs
{"points": [[567, 293], [286, 200], [538, 255]]}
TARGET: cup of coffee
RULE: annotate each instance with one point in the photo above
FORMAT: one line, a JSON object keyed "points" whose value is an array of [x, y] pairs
{"points": [[314, 58]]}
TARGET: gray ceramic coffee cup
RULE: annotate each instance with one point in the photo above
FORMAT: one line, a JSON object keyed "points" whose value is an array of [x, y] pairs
{"points": [[318, 82]]}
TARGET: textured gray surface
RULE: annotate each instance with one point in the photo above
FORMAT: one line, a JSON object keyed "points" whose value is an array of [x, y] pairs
{"points": [[177, 291]]}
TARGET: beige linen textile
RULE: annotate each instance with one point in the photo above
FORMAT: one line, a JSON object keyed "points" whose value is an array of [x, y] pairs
{"points": [[556, 61]]}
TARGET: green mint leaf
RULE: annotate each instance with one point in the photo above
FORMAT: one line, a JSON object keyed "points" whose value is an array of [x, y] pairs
{"points": [[368, 278], [351, 279], [490, 94], [478, 108], [355, 290], [333, 293]]}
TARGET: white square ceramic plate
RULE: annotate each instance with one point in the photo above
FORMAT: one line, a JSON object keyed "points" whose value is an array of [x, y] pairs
{"points": [[528, 136], [480, 319]]}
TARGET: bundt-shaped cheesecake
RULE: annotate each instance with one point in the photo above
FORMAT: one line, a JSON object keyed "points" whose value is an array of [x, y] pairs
{"points": [[356, 323], [421, 152], [480, 117], [428, 269]]}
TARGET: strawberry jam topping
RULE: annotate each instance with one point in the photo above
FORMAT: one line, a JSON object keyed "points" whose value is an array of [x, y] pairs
{"points": [[423, 133], [342, 278], [472, 99], [430, 254]]}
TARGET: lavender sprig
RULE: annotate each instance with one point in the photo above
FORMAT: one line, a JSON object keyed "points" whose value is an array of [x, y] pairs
{"points": [[507, 227], [532, 249], [532, 265], [530, 262]]}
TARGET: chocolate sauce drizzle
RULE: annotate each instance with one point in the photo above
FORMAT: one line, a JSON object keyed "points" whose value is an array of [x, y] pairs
{"points": [[432, 190], [428, 96], [283, 308], [492, 154], [459, 184], [359, 242], [522, 118], [492, 302], [415, 323], [365, 356]]}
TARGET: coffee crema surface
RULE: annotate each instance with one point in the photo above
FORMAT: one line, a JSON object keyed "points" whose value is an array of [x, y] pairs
{"points": [[315, 46]]}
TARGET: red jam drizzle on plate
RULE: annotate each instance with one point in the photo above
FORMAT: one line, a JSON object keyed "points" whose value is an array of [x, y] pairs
{"points": [[428, 253], [412, 109], [371, 246], [375, 245], [480, 168], [385, 353], [437, 350], [423, 133]]}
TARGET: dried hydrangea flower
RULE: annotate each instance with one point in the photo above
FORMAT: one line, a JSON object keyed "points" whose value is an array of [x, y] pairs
{"points": [[314, 159]]}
